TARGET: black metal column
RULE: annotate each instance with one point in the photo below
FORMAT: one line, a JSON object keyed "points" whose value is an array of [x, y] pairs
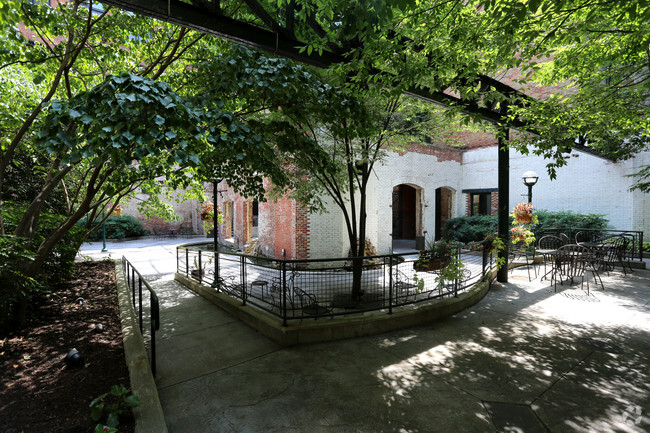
{"points": [[215, 219], [504, 195]]}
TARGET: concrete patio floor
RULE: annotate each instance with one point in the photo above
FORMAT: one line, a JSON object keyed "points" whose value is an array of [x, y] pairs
{"points": [[525, 359]]}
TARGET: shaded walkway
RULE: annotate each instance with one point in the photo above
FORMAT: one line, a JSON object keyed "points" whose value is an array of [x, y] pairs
{"points": [[525, 357]]}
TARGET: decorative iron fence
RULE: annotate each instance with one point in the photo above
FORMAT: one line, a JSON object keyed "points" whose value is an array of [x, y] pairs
{"points": [[316, 288], [135, 280]]}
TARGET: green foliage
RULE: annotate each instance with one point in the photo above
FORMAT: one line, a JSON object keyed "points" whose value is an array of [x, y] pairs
{"points": [[445, 252], [566, 220], [117, 227], [470, 229], [646, 247], [15, 286], [59, 263], [108, 407], [476, 228]]}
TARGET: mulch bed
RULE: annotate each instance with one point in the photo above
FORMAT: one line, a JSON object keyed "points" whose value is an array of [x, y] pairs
{"points": [[38, 392]]}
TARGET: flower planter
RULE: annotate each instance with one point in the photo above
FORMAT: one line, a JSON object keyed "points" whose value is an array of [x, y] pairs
{"points": [[197, 274], [433, 265], [524, 218]]}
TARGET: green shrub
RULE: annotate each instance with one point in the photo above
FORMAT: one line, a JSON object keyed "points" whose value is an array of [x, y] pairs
{"points": [[118, 227], [58, 265], [15, 286], [475, 228], [470, 229], [568, 222]]}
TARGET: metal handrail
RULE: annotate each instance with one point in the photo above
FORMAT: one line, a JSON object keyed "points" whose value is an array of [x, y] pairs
{"points": [[269, 284], [154, 305]]}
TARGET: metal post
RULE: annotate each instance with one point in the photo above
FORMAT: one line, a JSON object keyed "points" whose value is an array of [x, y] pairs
{"points": [[140, 300], [390, 284], [155, 325], [243, 279], [215, 197], [200, 267], [530, 193], [504, 195], [284, 287]]}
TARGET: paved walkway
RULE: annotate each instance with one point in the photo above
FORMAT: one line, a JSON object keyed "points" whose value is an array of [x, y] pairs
{"points": [[525, 359]]}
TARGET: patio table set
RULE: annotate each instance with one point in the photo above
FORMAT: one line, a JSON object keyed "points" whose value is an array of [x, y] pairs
{"points": [[573, 260]]}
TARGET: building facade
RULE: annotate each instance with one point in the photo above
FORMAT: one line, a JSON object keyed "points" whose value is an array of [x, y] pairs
{"points": [[413, 192]]}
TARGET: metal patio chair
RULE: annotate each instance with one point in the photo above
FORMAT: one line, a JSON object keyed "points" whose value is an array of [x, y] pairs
{"points": [[615, 254], [570, 262], [309, 306], [546, 248], [523, 255]]}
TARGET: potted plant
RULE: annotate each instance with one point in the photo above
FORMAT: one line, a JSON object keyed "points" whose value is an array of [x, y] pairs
{"points": [[520, 233], [436, 256], [207, 212], [442, 257], [208, 218], [493, 244], [523, 213], [198, 272]]}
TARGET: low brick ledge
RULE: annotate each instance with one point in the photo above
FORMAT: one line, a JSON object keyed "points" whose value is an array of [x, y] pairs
{"points": [[329, 329], [149, 415]]}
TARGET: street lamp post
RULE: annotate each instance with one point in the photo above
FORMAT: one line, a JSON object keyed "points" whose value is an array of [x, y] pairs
{"points": [[530, 178]]}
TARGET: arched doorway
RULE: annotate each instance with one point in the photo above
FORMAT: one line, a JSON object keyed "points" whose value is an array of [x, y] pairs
{"points": [[444, 201], [407, 216]]}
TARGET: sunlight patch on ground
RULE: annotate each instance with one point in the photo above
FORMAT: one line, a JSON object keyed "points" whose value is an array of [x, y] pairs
{"points": [[402, 377]]}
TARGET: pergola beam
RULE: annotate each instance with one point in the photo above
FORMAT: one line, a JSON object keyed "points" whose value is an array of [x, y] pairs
{"points": [[280, 44]]}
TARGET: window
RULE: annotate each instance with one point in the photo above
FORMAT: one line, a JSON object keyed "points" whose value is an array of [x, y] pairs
{"points": [[480, 200], [480, 203]]}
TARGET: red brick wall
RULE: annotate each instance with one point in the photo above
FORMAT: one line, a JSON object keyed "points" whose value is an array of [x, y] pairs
{"points": [[494, 203], [442, 152], [285, 228], [302, 232]]}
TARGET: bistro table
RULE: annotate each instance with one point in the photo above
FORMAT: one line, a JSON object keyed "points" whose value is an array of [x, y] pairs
{"points": [[261, 284]]}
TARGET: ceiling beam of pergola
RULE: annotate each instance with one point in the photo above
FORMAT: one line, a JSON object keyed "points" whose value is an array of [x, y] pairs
{"points": [[281, 44]]}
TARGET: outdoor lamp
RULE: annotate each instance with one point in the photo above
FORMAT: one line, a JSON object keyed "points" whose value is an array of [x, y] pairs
{"points": [[530, 179]]}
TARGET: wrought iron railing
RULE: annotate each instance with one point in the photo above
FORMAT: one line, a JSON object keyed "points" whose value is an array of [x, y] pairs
{"points": [[298, 289], [135, 282]]}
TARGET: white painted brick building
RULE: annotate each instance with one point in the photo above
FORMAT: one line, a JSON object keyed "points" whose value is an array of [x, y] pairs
{"points": [[411, 194]]}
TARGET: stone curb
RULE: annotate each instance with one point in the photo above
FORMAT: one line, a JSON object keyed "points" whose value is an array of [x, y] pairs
{"points": [[316, 331], [149, 415]]}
